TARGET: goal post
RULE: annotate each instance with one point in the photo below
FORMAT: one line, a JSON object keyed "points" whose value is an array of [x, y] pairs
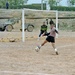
{"points": [[57, 20], [23, 19], [56, 23], [23, 25]]}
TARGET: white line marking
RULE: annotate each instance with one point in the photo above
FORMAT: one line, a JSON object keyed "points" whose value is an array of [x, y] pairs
{"points": [[24, 73], [27, 73], [69, 45]]}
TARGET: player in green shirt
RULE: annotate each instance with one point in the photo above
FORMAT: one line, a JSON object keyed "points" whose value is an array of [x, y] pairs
{"points": [[43, 30]]}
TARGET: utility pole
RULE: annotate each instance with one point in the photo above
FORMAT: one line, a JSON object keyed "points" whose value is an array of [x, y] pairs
{"points": [[47, 5], [41, 4]]}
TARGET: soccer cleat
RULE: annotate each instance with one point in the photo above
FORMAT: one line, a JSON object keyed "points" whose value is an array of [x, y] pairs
{"points": [[37, 48], [56, 51]]}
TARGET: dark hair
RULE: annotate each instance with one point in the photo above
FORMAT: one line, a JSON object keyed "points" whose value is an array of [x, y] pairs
{"points": [[51, 22]]}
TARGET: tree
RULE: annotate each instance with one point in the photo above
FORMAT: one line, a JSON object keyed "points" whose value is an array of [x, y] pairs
{"points": [[58, 2], [52, 2], [71, 2], [2, 3], [13, 2]]}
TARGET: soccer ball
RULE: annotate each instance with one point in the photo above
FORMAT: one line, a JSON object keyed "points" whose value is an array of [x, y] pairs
{"points": [[36, 49]]}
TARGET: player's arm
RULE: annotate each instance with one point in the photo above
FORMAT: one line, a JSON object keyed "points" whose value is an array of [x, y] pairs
{"points": [[56, 31]]}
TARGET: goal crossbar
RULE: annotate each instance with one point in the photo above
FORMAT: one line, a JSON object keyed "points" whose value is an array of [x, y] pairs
{"points": [[23, 20]]}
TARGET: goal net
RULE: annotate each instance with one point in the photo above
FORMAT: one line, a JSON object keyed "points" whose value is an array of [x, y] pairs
{"points": [[21, 24], [37, 17]]}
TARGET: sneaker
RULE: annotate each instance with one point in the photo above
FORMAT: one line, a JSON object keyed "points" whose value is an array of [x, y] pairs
{"points": [[56, 51], [37, 48]]}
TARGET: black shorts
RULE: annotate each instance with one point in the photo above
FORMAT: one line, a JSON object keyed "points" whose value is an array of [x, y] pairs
{"points": [[50, 39]]}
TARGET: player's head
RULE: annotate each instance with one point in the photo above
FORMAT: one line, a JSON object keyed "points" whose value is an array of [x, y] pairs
{"points": [[47, 19], [51, 22], [52, 25], [43, 23]]}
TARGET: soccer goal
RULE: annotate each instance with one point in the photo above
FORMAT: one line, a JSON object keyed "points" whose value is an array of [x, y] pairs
{"points": [[40, 15]]}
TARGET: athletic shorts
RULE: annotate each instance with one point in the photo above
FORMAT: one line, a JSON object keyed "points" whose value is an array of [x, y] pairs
{"points": [[50, 39]]}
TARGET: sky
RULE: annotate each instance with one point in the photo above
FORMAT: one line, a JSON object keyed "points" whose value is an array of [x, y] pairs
{"points": [[63, 2], [34, 1]]}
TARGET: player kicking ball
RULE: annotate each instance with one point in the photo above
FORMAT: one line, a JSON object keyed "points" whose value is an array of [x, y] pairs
{"points": [[50, 38]]}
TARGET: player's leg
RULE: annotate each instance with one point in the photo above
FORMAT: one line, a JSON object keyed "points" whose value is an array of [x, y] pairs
{"points": [[47, 40], [38, 47], [53, 45], [44, 43], [41, 32], [39, 35]]}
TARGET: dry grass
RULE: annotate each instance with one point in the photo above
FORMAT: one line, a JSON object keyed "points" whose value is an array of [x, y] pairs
{"points": [[17, 58]]}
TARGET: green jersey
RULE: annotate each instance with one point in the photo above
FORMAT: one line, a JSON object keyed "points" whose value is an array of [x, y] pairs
{"points": [[43, 28]]}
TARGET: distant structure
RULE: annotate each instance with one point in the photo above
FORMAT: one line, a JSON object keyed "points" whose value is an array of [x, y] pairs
{"points": [[47, 6], [7, 5]]}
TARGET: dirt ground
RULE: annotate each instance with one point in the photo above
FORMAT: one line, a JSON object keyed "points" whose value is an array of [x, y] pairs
{"points": [[20, 58]]}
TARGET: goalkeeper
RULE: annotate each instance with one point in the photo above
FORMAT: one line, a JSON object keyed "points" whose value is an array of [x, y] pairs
{"points": [[43, 30]]}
